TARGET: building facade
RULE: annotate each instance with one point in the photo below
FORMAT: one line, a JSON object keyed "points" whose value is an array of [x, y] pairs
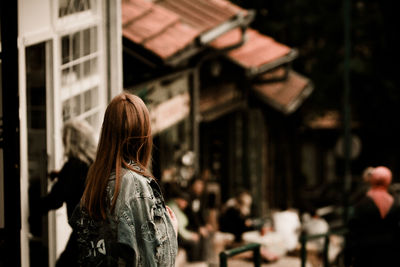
{"points": [[69, 66], [223, 83]]}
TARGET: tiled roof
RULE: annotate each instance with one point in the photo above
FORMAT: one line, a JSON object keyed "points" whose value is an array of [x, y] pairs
{"points": [[286, 95], [131, 10], [202, 15], [258, 52], [263, 57], [166, 27]]}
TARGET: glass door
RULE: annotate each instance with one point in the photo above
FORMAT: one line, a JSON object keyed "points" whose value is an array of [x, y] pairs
{"points": [[37, 76]]}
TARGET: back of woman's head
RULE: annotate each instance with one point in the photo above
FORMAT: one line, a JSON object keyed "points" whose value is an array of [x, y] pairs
{"points": [[126, 130], [125, 137], [380, 177], [79, 141]]}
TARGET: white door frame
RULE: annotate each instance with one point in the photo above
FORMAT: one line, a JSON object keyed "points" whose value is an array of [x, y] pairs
{"points": [[110, 62], [51, 146]]}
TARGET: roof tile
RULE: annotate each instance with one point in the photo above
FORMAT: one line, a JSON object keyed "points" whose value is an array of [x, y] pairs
{"points": [[202, 14], [133, 9], [173, 39], [146, 27], [258, 50]]}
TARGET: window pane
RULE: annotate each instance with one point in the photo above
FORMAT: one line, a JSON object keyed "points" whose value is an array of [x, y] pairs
{"points": [[90, 67], [93, 66], [88, 100], [76, 72], [86, 42], [62, 7], [65, 77], [91, 99], [76, 45], [92, 120], [88, 4], [86, 68], [68, 7], [65, 49], [94, 39], [38, 118], [66, 110], [76, 105]]}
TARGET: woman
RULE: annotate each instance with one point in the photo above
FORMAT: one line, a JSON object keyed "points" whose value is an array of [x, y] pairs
{"points": [[374, 225], [79, 150], [122, 219]]}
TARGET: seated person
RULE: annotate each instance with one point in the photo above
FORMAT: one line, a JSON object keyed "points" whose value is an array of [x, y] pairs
{"points": [[235, 219], [189, 240], [235, 215], [196, 209]]}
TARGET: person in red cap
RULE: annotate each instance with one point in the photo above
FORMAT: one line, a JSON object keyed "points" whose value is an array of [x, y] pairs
{"points": [[374, 225]]}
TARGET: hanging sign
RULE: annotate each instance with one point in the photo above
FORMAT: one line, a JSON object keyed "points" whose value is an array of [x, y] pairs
{"points": [[167, 99]]}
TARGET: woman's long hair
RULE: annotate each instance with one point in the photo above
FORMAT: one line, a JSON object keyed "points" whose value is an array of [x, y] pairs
{"points": [[79, 141], [125, 137]]}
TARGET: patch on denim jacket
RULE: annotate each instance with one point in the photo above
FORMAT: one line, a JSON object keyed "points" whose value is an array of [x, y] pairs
{"points": [[148, 230], [96, 240], [97, 247]]}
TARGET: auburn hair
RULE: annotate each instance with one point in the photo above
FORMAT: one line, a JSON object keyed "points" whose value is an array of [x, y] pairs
{"points": [[125, 137]]}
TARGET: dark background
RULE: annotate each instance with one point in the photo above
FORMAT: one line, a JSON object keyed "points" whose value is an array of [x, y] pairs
{"points": [[316, 29]]}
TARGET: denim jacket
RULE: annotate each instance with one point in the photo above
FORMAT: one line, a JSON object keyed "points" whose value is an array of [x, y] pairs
{"points": [[138, 233]]}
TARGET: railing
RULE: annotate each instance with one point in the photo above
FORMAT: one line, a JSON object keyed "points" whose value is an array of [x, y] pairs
{"points": [[304, 238], [224, 255]]}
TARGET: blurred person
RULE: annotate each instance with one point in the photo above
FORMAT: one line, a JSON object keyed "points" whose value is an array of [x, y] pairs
{"points": [[236, 218], [199, 213], [374, 225], [122, 219], [79, 151], [366, 175], [189, 240], [197, 207], [362, 186]]}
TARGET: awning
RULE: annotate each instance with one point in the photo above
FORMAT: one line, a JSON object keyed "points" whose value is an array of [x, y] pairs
{"points": [[265, 62], [285, 95], [169, 28], [258, 54]]}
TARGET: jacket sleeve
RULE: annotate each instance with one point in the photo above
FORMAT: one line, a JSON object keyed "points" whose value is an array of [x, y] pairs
{"points": [[57, 195], [127, 238], [136, 227]]}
